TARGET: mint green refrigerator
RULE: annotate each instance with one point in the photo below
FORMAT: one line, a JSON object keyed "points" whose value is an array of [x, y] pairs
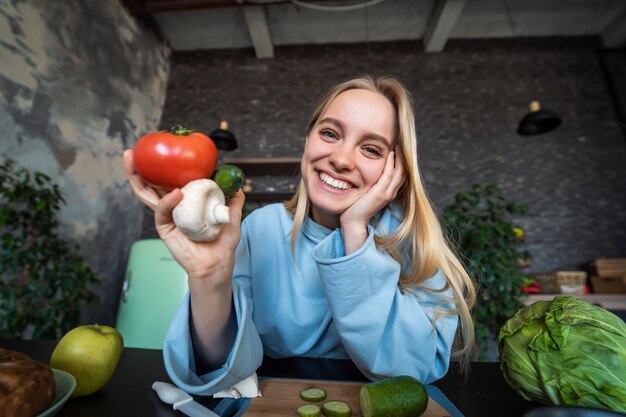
{"points": [[153, 288]]}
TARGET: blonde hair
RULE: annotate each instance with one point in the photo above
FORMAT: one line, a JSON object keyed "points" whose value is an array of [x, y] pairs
{"points": [[419, 236]]}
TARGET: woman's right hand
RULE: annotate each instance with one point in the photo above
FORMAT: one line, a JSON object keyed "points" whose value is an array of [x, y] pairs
{"points": [[209, 267], [201, 260]]}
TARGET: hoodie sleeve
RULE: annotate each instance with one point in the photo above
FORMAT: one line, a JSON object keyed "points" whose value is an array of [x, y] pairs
{"points": [[385, 331], [247, 352]]}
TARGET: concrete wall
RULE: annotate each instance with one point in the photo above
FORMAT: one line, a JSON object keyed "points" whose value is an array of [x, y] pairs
{"points": [[468, 102], [79, 81]]}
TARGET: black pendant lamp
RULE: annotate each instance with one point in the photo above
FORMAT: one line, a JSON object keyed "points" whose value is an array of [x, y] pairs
{"points": [[538, 121], [224, 138]]}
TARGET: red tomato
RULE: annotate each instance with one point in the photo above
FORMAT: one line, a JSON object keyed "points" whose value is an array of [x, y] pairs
{"points": [[173, 158]]}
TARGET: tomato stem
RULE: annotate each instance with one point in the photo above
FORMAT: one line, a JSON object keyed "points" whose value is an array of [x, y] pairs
{"points": [[179, 130]]}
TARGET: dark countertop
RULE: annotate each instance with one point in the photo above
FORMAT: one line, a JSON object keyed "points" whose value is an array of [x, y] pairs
{"points": [[483, 392]]}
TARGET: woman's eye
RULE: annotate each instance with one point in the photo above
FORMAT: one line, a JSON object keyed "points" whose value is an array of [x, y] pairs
{"points": [[329, 134], [372, 151]]}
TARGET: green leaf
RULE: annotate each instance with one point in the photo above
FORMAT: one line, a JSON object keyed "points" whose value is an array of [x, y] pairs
{"points": [[479, 224], [44, 282], [566, 352]]}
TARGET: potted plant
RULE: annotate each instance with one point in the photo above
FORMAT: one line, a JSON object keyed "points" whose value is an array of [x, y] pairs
{"points": [[481, 224], [44, 281]]}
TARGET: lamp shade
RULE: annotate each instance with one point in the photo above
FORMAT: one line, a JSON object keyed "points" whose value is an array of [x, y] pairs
{"points": [[224, 138], [538, 121]]}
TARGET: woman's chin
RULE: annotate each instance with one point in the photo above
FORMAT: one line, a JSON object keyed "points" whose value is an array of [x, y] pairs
{"points": [[329, 206]]}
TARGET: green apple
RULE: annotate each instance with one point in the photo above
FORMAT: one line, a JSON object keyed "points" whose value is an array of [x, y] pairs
{"points": [[90, 353]]}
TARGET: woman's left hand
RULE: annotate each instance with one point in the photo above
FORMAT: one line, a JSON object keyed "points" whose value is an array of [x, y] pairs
{"points": [[355, 219]]}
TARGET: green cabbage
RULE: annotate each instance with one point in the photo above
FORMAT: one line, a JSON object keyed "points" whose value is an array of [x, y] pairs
{"points": [[566, 352]]}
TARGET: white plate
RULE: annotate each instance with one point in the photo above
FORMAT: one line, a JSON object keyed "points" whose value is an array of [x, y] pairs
{"points": [[66, 384]]}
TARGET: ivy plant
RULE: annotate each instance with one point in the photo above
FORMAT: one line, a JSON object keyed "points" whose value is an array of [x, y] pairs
{"points": [[44, 281], [480, 222]]}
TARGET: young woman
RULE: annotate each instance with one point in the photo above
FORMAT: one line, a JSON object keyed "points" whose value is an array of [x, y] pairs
{"points": [[354, 266]]}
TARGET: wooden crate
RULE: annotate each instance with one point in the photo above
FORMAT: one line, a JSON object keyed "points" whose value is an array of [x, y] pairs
{"points": [[608, 285], [612, 267], [561, 282]]}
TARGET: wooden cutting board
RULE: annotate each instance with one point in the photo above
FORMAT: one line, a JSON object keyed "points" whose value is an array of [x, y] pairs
{"points": [[281, 397]]}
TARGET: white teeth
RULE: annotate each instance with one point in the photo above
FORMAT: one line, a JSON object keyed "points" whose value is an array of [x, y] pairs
{"points": [[328, 180]]}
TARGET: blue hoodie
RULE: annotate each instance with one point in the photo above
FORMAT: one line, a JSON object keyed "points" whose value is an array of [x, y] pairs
{"points": [[323, 305]]}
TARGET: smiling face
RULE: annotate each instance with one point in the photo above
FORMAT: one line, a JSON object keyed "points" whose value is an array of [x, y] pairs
{"points": [[345, 152]]}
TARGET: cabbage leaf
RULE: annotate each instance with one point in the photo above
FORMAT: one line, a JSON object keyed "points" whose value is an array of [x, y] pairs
{"points": [[566, 352]]}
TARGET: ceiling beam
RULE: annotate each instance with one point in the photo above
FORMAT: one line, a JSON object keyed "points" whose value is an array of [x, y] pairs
{"points": [[441, 24], [137, 7], [259, 30], [614, 35]]}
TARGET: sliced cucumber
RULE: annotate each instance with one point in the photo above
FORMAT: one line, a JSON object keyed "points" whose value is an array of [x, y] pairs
{"points": [[313, 394], [309, 410], [402, 396], [336, 408], [230, 179]]}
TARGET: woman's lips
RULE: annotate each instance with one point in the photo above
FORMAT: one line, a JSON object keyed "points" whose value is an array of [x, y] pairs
{"points": [[333, 183]]}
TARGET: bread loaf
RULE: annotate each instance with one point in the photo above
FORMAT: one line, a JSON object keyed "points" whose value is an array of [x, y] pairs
{"points": [[27, 386]]}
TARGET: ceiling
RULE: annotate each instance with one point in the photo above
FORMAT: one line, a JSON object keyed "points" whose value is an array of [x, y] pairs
{"points": [[264, 24]]}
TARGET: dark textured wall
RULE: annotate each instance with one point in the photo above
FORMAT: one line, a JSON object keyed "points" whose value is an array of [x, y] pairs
{"points": [[79, 81], [468, 102]]}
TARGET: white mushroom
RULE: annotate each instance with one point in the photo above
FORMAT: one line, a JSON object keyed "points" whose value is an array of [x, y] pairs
{"points": [[202, 212]]}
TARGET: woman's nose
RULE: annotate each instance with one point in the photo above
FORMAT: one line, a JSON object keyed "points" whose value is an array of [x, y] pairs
{"points": [[342, 158]]}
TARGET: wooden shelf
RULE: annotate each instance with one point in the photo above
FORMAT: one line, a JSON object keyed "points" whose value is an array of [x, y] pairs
{"points": [[606, 301], [283, 166], [273, 167], [267, 197]]}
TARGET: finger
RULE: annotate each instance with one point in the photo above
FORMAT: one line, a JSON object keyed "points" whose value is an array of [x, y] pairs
{"points": [[235, 205], [230, 235], [398, 154], [399, 175], [163, 219], [129, 166], [386, 176], [147, 195], [399, 179]]}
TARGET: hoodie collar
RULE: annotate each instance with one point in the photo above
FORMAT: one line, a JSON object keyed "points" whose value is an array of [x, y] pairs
{"points": [[314, 231]]}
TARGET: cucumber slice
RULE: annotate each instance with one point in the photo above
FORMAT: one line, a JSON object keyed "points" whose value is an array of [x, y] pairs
{"points": [[309, 410], [313, 394], [230, 179], [402, 396], [336, 408]]}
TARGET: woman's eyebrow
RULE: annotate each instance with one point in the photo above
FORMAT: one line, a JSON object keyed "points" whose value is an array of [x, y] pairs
{"points": [[381, 139], [373, 136], [333, 121]]}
